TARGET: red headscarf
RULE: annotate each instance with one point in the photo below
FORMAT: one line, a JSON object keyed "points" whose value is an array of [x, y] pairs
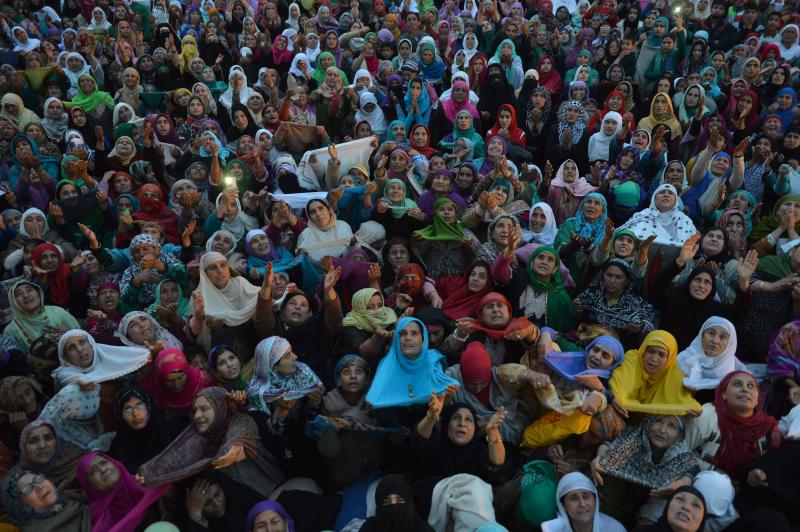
{"points": [[459, 301], [476, 82], [515, 134], [550, 80], [476, 366], [594, 123], [514, 324], [58, 281], [170, 361], [280, 57], [410, 288], [154, 210], [740, 435], [426, 150]]}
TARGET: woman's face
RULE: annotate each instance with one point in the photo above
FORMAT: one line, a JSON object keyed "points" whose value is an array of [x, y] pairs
{"points": [[623, 246], [580, 507], [37, 492], [538, 220], [544, 265], [685, 512], [107, 300], [219, 273], [395, 192], [41, 445], [665, 200], [570, 172], [135, 414], [700, 286], [461, 427], [124, 147], [229, 367], [49, 261], [34, 224], [397, 162], [626, 160], [441, 184], [203, 415], [353, 378], [448, 212], [713, 242], [125, 115], [260, 245], [734, 227], [411, 340], [319, 214], [398, 256], [660, 105], [592, 209], [240, 119], [419, 137], [778, 77], [654, 359], [741, 394], [78, 351], [269, 521], [664, 432], [55, 110], [502, 231], [287, 364], [103, 475], [715, 340], [495, 148], [692, 97], [614, 280], [141, 330]]}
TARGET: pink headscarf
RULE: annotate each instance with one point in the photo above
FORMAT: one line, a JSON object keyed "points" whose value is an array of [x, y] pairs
{"points": [[122, 507], [451, 107], [578, 188]]}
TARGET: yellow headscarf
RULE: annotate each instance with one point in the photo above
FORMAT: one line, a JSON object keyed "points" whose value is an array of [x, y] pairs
{"points": [[188, 52], [368, 320], [668, 118], [662, 393]]}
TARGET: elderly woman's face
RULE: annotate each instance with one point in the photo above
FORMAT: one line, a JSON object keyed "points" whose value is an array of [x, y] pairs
{"points": [[664, 432], [37, 492]]}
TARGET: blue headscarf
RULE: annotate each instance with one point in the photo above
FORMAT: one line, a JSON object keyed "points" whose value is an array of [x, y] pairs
{"points": [[712, 89], [591, 230], [691, 199], [223, 151], [433, 72], [786, 116], [424, 100], [400, 381], [572, 365]]}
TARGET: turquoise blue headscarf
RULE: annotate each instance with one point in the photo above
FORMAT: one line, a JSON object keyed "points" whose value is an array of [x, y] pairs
{"points": [[400, 381], [424, 99], [573, 364], [591, 230], [223, 151], [713, 89]]}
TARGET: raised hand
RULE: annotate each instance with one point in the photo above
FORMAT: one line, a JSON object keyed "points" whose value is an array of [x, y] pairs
{"points": [[89, 235], [330, 280], [266, 282], [493, 425], [689, 249], [186, 236]]}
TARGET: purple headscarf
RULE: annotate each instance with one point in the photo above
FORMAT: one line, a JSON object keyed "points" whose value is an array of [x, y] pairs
{"points": [[263, 506]]}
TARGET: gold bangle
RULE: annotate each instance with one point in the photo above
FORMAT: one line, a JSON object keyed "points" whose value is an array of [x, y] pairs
{"points": [[498, 441]]}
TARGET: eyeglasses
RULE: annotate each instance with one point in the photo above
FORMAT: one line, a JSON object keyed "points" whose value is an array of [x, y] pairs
{"points": [[27, 489], [130, 410]]}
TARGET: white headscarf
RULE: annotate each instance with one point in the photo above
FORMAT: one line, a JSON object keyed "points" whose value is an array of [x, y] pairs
{"points": [[234, 304], [313, 53], [703, 372], [210, 241], [704, 14], [670, 228], [787, 54], [295, 70], [110, 362], [472, 12], [469, 52], [718, 492], [32, 44], [547, 235], [239, 225], [226, 98], [572, 482], [73, 76], [55, 129], [162, 335], [321, 241], [29, 212], [134, 119], [376, 118], [104, 24], [599, 143]]}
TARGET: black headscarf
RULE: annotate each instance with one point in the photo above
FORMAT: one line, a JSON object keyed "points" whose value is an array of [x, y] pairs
{"points": [[135, 447], [234, 133], [662, 524], [401, 517], [498, 91]]}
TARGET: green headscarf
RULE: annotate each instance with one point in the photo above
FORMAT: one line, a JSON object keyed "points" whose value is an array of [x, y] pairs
{"points": [[470, 134], [559, 306], [123, 130], [90, 102], [183, 303], [247, 176], [399, 209], [768, 224], [441, 230], [64, 174], [505, 184], [319, 72], [367, 320]]}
